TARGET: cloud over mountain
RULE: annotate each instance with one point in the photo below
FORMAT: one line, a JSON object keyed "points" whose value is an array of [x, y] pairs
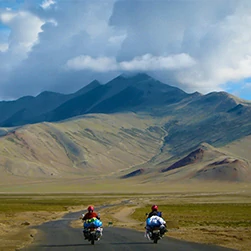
{"points": [[146, 62], [197, 45]]}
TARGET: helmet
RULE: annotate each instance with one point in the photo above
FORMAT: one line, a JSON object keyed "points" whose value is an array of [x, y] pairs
{"points": [[90, 208], [154, 208]]}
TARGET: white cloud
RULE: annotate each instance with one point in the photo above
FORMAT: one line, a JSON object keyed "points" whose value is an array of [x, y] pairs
{"points": [[146, 62], [72, 29], [227, 55], [216, 34], [149, 62], [100, 64], [6, 17], [197, 45], [239, 71], [47, 4], [25, 28]]}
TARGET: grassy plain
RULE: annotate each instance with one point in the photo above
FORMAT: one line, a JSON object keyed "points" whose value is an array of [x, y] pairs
{"points": [[218, 218], [20, 212], [212, 218], [225, 224]]}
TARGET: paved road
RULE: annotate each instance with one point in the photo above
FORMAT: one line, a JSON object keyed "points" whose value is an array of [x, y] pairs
{"points": [[58, 235]]}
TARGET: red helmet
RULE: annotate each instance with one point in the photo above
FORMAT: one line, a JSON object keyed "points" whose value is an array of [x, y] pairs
{"points": [[154, 208], [90, 208]]}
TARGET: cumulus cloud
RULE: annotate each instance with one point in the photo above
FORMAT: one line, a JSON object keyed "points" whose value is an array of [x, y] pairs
{"points": [[24, 28], [214, 33], [226, 56], [69, 29], [101, 64], [55, 45], [146, 62], [47, 4], [149, 62]]}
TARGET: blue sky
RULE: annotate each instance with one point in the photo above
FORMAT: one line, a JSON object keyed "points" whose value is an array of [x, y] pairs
{"points": [[62, 45]]}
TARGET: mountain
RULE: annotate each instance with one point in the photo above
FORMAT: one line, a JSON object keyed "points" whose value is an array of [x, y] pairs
{"points": [[89, 87], [212, 164], [121, 94], [228, 169], [27, 109], [134, 129], [88, 146], [137, 93]]}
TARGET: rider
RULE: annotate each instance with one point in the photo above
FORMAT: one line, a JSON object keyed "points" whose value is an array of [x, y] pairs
{"points": [[155, 213], [90, 215]]}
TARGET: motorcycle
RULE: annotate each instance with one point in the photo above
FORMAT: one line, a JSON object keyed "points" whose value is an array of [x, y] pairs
{"points": [[92, 229], [154, 234], [156, 229], [92, 233]]}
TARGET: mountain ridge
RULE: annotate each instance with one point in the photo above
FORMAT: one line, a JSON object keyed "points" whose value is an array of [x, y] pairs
{"points": [[89, 97], [141, 129], [12, 111], [147, 92]]}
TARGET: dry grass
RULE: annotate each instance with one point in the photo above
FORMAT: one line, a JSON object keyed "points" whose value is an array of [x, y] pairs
{"points": [[96, 144], [224, 224], [16, 228], [237, 238], [221, 218], [225, 221], [64, 157], [20, 212]]}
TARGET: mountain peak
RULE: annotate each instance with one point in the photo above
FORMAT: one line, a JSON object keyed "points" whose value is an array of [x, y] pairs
{"points": [[48, 93], [130, 79], [95, 83], [136, 76]]}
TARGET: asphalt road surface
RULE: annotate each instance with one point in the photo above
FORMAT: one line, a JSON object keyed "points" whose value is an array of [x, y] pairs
{"points": [[58, 235]]}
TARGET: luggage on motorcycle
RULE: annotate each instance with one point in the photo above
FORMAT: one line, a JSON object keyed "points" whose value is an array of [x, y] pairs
{"points": [[154, 221], [98, 223], [92, 222]]}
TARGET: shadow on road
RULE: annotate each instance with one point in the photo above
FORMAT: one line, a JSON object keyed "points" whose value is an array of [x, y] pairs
{"points": [[66, 245], [130, 243]]}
